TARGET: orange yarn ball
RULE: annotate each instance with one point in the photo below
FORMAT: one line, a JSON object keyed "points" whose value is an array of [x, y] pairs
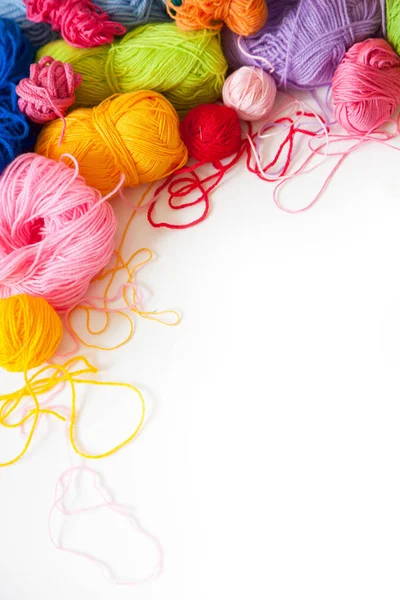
{"points": [[244, 17], [135, 134]]}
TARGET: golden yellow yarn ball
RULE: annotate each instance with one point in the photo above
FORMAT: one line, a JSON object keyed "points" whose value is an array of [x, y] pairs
{"points": [[30, 332], [134, 134]]}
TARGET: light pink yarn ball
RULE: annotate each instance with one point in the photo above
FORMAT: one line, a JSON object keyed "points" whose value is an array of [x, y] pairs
{"points": [[251, 92], [56, 232]]}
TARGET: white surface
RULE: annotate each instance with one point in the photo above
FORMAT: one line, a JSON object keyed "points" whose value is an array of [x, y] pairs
{"points": [[270, 465]]}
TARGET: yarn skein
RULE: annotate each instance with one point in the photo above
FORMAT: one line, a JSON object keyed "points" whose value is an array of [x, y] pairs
{"points": [[305, 41], [81, 23], [38, 33], [393, 23], [132, 13], [56, 233], [16, 54], [244, 17], [366, 86], [49, 91], [188, 68], [135, 135], [251, 92]]}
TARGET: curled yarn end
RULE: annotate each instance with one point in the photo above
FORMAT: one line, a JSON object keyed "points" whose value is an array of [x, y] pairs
{"points": [[81, 23], [49, 90]]}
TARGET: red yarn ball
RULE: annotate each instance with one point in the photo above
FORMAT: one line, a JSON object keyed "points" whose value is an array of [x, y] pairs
{"points": [[211, 132]]}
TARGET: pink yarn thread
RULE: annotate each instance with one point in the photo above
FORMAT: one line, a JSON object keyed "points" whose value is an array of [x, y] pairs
{"points": [[56, 233], [366, 86], [59, 497], [49, 91], [251, 92], [81, 23]]}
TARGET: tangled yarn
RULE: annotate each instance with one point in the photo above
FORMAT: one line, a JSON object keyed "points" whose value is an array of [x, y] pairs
{"points": [[366, 86], [244, 17], [211, 132], [49, 91], [56, 233], [187, 67], [38, 33], [132, 13], [16, 54], [251, 92], [81, 23], [30, 332], [305, 41], [393, 23], [135, 135]]}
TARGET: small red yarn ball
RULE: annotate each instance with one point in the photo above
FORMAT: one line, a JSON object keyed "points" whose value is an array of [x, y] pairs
{"points": [[211, 132]]}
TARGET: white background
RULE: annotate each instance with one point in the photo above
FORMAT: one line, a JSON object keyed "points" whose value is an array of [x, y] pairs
{"points": [[269, 466]]}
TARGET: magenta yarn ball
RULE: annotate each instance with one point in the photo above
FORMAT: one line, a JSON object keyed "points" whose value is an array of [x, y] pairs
{"points": [[251, 92]]}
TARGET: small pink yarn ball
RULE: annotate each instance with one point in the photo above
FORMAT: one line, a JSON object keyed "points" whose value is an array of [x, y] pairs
{"points": [[366, 86], [251, 92], [49, 90], [56, 232]]}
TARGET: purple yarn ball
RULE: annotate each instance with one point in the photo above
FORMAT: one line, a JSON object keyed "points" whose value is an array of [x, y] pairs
{"points": [[304, 41]]}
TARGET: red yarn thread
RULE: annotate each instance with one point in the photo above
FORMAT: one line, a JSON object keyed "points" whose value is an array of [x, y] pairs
{"points": [[81, 23], [49, 91]]}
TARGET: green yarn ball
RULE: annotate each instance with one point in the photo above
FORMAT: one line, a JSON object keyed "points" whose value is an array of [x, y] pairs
{"points": [[188, 67], [393, 23]]}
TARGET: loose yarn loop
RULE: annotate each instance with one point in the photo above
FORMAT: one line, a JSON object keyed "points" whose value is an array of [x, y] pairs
{"points": [[81, 23], [49, 91], [135, 135], [251, 92], [38, 33], [30, 332], [56, 233], [188, 68], [393, 23], [366, 86], [211, 132], [244, 17], [305, 41]]}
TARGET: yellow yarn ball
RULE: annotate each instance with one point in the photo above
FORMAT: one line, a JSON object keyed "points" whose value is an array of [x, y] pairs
{"points": [[30, 332], [187, 67], [134, 134]]}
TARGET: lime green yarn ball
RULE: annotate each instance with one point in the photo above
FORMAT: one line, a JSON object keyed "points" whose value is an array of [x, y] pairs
{"points": [[393, 23], [187, 67]]}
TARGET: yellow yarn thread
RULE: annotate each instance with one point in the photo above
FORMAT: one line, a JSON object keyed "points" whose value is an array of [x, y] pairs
{"points": [[135, 135], [187, 67], [30, 332]]}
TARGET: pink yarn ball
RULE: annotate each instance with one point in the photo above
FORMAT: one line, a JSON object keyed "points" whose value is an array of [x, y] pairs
{"points": [[366, 86], [49, 91], [56, 233], [251, 92]]}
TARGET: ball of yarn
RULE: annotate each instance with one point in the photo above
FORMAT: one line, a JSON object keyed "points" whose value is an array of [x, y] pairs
{"points": [[132, 13], [188, 68], [211, 132], [245, 17], [49, 91], [38, 33], [366, 86], [393, 23], [251, 92], [30, 332], [305, 41], [56, 233], [134, 134], [81, 23], [16, 53], [16, 135]]}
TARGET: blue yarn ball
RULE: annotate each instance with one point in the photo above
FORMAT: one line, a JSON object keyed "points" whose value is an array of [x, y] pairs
{"points": [[134, 12], [38, 33], [17, 135], [16, 53]]}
